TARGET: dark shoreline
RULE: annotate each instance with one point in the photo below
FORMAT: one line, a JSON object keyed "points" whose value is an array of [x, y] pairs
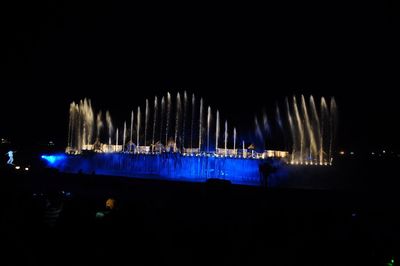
{"points": [[160, 222]]}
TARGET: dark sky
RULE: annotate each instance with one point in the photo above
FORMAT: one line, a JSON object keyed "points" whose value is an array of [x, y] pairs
{"points": [[239, 58]]}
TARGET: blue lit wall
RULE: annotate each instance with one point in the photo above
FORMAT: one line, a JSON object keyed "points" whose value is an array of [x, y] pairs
{"points": [[165, 166]]}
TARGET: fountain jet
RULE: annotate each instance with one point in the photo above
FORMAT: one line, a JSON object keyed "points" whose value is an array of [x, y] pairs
{"points": [[138, 127], [146, 119], [208, 128], [155, 120]]}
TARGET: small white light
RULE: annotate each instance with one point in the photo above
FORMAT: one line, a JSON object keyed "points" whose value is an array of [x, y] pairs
{"points": [[26, 168], [17, 167]]}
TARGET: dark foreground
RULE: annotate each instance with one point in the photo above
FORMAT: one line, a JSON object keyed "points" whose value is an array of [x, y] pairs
{"points": [[158, 223]]}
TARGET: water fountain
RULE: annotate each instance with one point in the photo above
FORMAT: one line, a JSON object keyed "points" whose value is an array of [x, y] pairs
{"points": [[168, 117], [138, 128], [217, 132], [170, 156], [208, 127], [226, 138], [192, 120], [154, 120], [124, 137], [146, 119], [116, 141], [234, 139], [312, 130], [110, 129], [162, 118], [201, 123], [177, 122], [184, 118], [131, 138]]}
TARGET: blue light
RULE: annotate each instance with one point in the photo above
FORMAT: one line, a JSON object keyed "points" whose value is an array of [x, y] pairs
{"points": [[172, 166], [53, 160]]}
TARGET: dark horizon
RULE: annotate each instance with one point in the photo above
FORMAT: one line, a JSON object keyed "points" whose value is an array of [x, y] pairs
{"points": [[238, 66]]}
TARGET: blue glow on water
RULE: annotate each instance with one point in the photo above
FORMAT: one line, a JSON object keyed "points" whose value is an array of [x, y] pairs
{"points": [[54, 160], [169, 166]]}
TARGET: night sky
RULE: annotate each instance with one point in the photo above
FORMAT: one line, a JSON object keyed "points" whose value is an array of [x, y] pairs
{"points": [[239, 58]]}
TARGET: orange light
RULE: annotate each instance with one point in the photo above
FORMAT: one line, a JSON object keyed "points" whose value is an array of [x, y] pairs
{"points": [[110, 203]]}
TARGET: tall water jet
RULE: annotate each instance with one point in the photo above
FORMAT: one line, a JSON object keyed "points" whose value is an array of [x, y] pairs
{"points": [[138, 127], [324, 128], [90, 121], [292, 129], [278, 117], [162, 118], [75, 136], [300, 129], [177, 121], [266, 126], [116, 140], [88, 116], [208, 128], [109, 127], [82, 126], [226, 137], [124, 137], [192, 123], [154, 120], [333, 126], [184, 118], [99, 124], [234, 139], [217, 132], [79, 132], [317, 129], [310, 134], [200, 123], [71, 124], [131, 138], [146, 119], [168, 117]]}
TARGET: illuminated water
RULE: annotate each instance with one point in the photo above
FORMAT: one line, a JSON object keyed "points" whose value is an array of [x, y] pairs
{"points": [[169, 166], [312, 130], [158, 146]]}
